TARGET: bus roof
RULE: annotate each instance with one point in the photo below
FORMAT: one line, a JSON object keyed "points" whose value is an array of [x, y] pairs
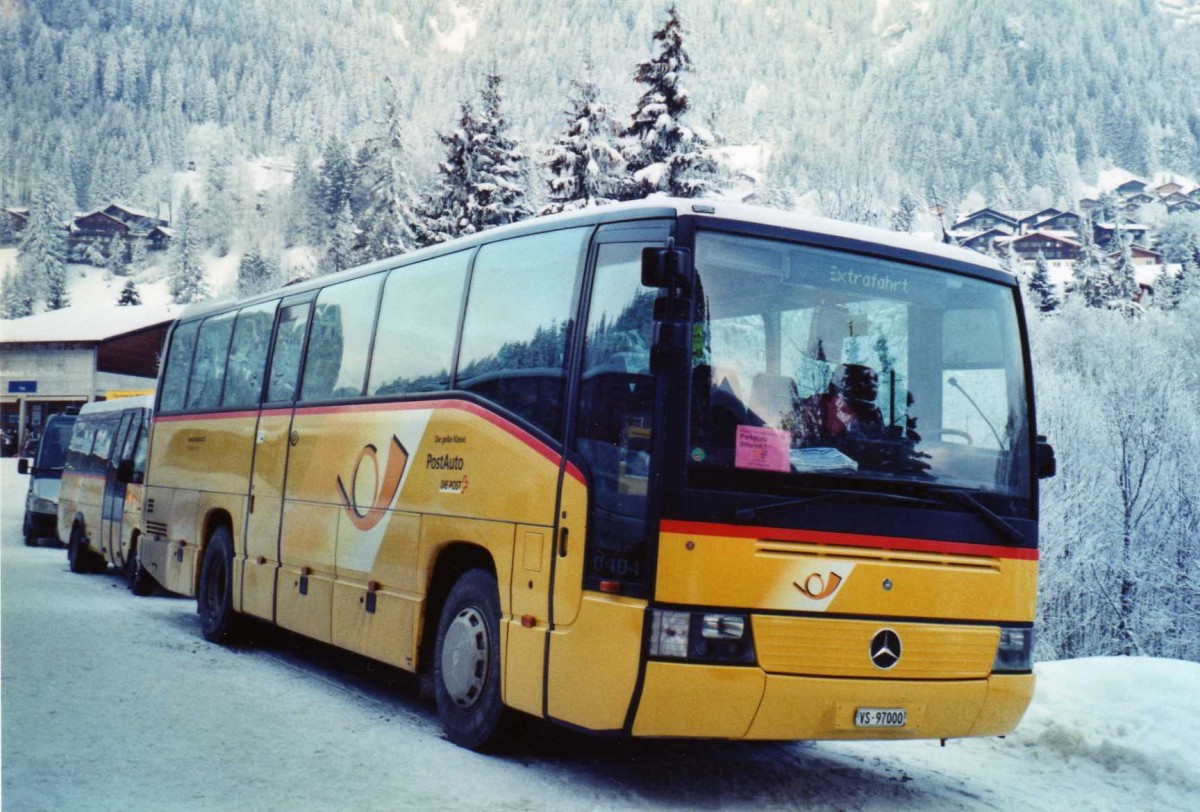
{"points": [[117, 405], [936, 253]]}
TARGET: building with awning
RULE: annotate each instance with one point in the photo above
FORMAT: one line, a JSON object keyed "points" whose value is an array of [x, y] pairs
{"points": [[61, 359]]}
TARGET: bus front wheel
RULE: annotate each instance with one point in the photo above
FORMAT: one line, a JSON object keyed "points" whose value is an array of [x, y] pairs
{"points": [[466, 664], [141, 583], [214, 598], [79, 557]]}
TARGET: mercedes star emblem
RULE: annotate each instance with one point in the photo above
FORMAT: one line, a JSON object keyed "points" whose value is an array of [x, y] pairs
{"points": [[885, 649]]}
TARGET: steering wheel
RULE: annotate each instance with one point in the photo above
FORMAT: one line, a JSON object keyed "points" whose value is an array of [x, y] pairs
{"points": [[958, 433]]}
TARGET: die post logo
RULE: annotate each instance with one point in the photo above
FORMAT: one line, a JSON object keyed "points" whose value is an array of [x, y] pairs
{"points": [[366, 473]]}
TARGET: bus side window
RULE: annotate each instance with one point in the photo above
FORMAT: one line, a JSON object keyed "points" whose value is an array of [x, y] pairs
{"points": [[81, 445], [418, 323], [208, 370], [179, 363], [289, 342], [139, 451], [97, 461], [344, 320], [516, 327], [248, 355]]}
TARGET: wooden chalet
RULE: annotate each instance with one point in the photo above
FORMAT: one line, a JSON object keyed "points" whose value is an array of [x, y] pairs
{"points": [[1141, 255], [1184, 205], [17, 219], [1140, 199], [1054, 247], [158, 237], [139, 220], [1104, 233], [1133, 186], [1063, 221], [1194, 194], [983, 241], [1167, 189], [985, 220], [1087, 204], [1033, 222], [98, 229]]}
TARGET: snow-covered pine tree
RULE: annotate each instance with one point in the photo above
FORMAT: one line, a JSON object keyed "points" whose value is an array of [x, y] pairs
{"points": [[7, 235], [335, 180], [187, 283], [584, 162], [1041, 289], [20, 294], [115, 254], [442, 213], [343, 243], [664, 154], [137, 254], [255, 273], [1088, 272], [905, 213], [91, 254], [129, 295], [43, 250], [1121, 277], [499, 189], [387, 214]]}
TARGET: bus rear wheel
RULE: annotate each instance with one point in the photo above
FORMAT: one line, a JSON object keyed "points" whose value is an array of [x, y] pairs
{"points": [[214, 599], [466, 664]]}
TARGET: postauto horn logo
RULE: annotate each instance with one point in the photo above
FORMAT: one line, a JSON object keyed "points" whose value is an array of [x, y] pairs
{"points": [[385, 487]]}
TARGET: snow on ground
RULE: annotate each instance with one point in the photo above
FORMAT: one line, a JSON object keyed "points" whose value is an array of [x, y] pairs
{"points": [[114, 702]]}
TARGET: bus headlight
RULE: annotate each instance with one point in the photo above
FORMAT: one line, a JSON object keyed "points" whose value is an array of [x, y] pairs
{"points": [[1014, 652], [709, 637], [42, 506]]}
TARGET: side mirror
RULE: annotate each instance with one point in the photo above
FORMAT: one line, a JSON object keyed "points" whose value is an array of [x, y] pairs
{"points": [[125, 471], [1047, 465], [667, 268], [22, 466]]}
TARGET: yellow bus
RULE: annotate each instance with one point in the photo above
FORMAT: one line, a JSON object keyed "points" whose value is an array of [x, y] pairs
{"points": [[100, 501], [664, 468]]}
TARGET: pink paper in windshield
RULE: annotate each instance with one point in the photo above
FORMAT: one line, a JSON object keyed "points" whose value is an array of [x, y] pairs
{"points": [[763, 449]]}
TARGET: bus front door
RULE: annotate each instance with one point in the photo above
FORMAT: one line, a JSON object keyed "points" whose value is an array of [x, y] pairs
{"points": [[112, 511], [256, 567], [595, 640]]}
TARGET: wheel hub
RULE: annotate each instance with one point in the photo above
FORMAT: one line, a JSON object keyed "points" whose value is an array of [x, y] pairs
{"points": [[465, 657]]}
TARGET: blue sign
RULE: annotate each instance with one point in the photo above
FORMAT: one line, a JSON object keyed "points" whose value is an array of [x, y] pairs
{"points": [[22, 387]]}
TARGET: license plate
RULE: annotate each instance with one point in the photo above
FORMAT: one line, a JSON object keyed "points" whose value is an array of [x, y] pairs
{"points": [[880, 717]]}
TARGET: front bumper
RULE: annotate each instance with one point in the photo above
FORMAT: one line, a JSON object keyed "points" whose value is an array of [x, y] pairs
{"points": [[41, 525], [707, 701]]}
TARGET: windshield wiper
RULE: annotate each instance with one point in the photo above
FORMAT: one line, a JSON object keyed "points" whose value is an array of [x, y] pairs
{"points": [[946, 497], [989, 516], [748, 514]]}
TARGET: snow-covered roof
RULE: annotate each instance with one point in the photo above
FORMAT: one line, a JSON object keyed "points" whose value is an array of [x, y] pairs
{"points": [[131, 211], [84, 324]]}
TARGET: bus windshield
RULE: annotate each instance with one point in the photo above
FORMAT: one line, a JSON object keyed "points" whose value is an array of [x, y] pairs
{"points": [[809, 362], [52, 452]]}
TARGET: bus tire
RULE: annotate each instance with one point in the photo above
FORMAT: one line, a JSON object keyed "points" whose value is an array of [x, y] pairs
{"points": [[77, 557], [140, 581], [466, 664], [214, 597]]}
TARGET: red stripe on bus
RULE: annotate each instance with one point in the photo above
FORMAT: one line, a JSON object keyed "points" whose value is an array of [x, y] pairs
{"points": [[464, 406], [848, 539], [175, 418]]}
